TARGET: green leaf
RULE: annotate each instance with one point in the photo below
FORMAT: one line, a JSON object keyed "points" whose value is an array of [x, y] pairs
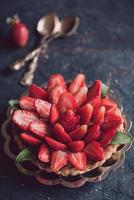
{"points": [[25, 154], [104, 90], [13, 103], [122, 138]]}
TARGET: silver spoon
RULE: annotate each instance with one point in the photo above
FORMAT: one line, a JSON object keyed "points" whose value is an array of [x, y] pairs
{"points": [[67, 27], [45, 28]]}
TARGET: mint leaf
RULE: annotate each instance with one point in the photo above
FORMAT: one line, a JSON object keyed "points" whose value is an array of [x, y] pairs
{"points": [[13, 103], [122, 138], [25, 154], [104, 90]]}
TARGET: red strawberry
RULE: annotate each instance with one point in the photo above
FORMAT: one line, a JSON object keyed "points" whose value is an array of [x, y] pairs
{"points": [[44, 154], [108, 103], [98, 115], [93, 133], [27, 103], [37, 92], [22, 118], [94, 90], [66, 101], [55, 144], [79, 132], [86, 113], [95, 102], [19, 32], [61, 134], [77, 83], [42, 108], [59, 159], [111, 121], [54, 114], [69, 120], [111, 110], [55, 80], [78, 160], [55, 94], [106, 137], [30, 139], [39, 128], [94, 151], [81, 96], [76, 146]]}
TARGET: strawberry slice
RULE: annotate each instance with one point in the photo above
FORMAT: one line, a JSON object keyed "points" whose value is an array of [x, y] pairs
{"points": [[111, 110], [55, 94], [42, 108], [55, 80], [22, 118], [39, 128], [69, 120], [58, 160], [27, 103], [98, 115], [66, 102], [30, 139], [44, 154], [78, 160], [79, 132], [108, 103], [76, 146], [81, 96], [95, 102], [77, 83], [54, 114], [86, 113], [37, 92], [106, 137], [94, 90], [94, 151], [111, 121], [61, 134], [93, 133], [55, 144]]}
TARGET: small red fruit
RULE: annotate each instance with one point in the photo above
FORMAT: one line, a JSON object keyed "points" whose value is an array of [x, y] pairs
{"points": [[94, 90], [54, 114], [78, 160], [81, 96], [55, 94], [55, 80], [79, 132], [108, 103], [111, 121], [30, 139], [27, 103], [77, 83], [86, 113], [42, 108], [99, 115], [55, 144], [93, 133], [37, 92], [76, 146], [106, 137], [44, 154], [95, 102]]}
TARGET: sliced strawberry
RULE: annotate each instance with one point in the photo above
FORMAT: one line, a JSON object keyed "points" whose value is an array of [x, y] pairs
{"points": [[55, 80], [69, 120], [98, 115], [22, 118], [86, 113], [77, 83], [59, 159], [42, 108], [37, 92], [30, 139], [76, 146], [55, 144], [54, 114], [111, 110], [39, 128], [93, 133], [111, 121], [81, 96], [66, 102], [94, 151], [55, 94], [106, 137], [44, 154], [27, 103], [78, 160], [94, 90], [95, 102], [60, 134], [79, 132], [108, 103]]}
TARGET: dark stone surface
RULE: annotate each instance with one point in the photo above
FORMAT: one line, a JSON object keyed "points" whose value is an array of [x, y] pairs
{"points": [[103, 49]]}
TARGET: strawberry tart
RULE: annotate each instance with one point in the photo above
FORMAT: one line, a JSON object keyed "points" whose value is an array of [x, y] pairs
{"points": [[68, 128]]}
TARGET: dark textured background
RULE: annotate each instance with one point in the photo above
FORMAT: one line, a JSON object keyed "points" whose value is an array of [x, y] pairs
{"points": [[103, 49]]}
